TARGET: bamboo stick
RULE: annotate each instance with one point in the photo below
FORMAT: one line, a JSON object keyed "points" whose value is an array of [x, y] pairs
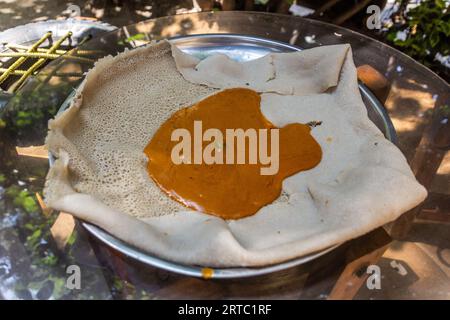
{"points": [[22, 58], [38, 63], [43, 50], [42, 55]]}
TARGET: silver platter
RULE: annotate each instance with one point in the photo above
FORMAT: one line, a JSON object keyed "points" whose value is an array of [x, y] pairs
{"points": [[242, 48]]}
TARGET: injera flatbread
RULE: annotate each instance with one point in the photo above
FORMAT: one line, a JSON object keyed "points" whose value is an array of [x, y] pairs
{"points": [[362, 182]]}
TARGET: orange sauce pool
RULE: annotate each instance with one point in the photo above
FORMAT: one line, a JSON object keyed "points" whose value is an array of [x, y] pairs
{"points": [[227, 190]]}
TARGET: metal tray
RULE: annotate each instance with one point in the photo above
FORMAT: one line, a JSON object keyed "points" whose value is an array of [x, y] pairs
{"points": [[242, 48]]}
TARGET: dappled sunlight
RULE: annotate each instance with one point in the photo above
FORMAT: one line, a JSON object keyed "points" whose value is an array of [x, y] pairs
{"points": [[68, 72], [178, 25], [410, 110], [441, 181]]}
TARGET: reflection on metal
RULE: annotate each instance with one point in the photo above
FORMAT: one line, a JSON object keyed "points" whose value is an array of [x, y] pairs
{"points": [[294, 37], [196, 271]]}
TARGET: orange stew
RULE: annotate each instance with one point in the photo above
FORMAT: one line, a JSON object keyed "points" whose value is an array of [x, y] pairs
{"points": [[225, 189]]}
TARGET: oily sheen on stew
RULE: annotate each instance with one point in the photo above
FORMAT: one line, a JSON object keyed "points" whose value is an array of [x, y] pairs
{"points": [[235, 190]]}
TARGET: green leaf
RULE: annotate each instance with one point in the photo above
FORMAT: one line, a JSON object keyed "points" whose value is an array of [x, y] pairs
{"points": [[428, 26], [50, 260], [434, 39], [35, 286], [59, 287], [29, 204], [72, 238], [29, 226], [35, 235], [137, 36], [26, 201], [12, 191], [390, 37]]}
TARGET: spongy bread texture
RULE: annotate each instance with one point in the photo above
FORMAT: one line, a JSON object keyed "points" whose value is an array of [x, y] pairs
{"points": [[129, 97], [362, 182]]}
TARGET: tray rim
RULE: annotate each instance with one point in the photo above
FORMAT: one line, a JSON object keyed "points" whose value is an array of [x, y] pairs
{"points": [[232, 272]]}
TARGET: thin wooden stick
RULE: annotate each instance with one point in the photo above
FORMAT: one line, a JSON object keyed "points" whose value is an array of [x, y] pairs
{"points": [[54, 72], [22, 58], [40, 62], [61, 74], [43, 50], [43, 55]]}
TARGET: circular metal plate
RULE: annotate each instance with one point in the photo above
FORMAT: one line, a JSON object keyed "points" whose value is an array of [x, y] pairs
{"points": [[241, 48]]}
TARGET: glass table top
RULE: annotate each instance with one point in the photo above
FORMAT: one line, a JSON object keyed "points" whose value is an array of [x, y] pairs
{"points": [[37, 245]]}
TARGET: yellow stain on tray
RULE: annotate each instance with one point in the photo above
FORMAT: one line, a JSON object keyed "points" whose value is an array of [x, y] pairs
{"points": [[207, 273]]}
